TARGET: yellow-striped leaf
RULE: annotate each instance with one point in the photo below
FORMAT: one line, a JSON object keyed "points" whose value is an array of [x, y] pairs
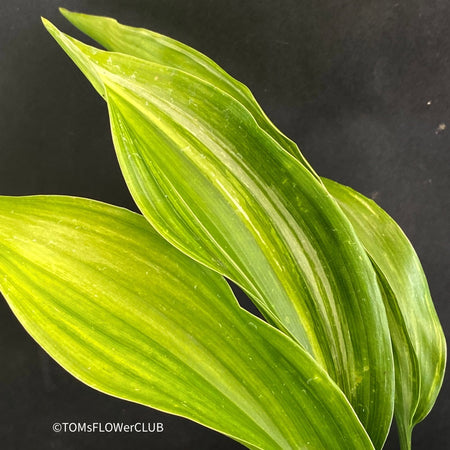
{"points": [[417, 381], [155, 47], [130, 315], [221, 189], [417, 337]]}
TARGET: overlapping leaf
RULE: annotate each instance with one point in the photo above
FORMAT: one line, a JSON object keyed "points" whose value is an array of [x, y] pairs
{"points": [[418, 340], [151, 46], [130, 315], [417, 381], [217, 186]]}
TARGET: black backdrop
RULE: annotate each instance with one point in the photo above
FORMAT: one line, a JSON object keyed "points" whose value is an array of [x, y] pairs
{"points": [[362, 86]]}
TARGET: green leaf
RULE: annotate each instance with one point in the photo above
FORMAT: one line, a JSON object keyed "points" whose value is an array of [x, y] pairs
{"points": [[417, 336], [155, 47], [128, 314], [219, 188]]}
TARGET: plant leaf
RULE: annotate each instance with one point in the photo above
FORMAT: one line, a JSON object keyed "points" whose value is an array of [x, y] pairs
{"points": [[128, 314], [157, 48], [417, 336], [409, 391], [191, 155]]}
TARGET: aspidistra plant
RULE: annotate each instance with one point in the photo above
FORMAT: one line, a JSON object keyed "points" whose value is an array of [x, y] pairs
{"points": [[137, 306]]}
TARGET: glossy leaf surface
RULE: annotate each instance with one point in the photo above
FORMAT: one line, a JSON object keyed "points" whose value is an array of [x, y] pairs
{"points": [[218, 187], [157, 48], [417, 336], [128, 314]]}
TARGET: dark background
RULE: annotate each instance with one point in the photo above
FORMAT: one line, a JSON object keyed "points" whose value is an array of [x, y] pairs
{"points": [[362, 86]]}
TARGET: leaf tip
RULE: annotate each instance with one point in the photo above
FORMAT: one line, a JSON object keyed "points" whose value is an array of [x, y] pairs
{"points": [[67, 14], [51, 29], [58, 35], [75, 18], [47, 23]]}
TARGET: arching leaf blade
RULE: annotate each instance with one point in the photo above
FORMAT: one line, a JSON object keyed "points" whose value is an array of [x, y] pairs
{"points": [[157, 48], [128, 314], [418, 339], [188, 153], [407, 370]]}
